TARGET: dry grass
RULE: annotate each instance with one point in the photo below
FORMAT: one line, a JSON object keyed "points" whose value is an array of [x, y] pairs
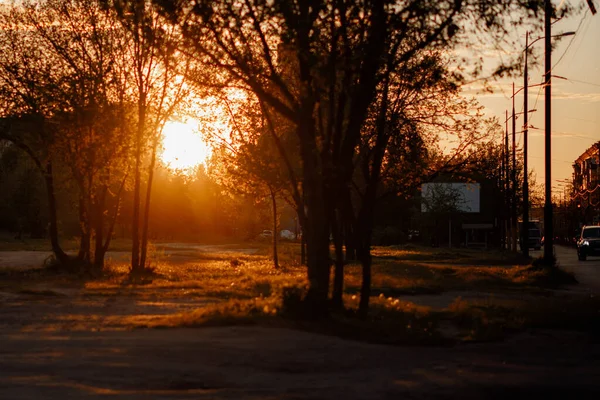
{"points": [[223, 285], [421, 270], [219, 275], [230, 275], [493, 318]]}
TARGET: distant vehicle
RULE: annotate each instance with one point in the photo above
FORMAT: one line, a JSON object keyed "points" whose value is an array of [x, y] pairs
{"points": [[285, 234], [534, 238], [589, 242], [266, 234]]}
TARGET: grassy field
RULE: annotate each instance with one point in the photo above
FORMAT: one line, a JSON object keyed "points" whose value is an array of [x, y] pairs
{"points": [[487, 294]]}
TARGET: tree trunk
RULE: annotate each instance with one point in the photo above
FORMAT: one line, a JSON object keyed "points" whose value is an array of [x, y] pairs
{"points": [[113, 221], [317, 249], [146, 220], [337, 301], [364, 232], [60, 255], [347, 221], [350, 245], [274, 204], [365, 288], [317, 226], [135, 223], [99, 251], [302, 222], [83, 255], [303, 249], [318, 265], [364, 221]]}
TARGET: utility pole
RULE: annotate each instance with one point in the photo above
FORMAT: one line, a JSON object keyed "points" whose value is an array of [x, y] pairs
{"points": [[525, 233], [502, 218], [507, 185], [514, 174], [548, 228], [548, 214]]}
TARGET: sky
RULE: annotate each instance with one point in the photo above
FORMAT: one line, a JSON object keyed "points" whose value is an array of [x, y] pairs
{"points": [[575, 101]]}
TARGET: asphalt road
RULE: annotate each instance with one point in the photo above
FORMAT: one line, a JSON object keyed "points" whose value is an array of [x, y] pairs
{"points": [[254, 363], [587, 272]]}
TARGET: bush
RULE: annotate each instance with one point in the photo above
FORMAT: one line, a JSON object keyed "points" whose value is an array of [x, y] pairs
{"points": [[293, 301]]}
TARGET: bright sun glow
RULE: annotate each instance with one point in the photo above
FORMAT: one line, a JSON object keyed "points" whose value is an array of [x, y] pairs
{"points": [[183, 147]]}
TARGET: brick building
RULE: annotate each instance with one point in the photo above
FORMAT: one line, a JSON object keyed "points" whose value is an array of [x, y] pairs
{"points": [[586, 185]]}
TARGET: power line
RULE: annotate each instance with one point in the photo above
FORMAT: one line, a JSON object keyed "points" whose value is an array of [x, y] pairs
{"points": [[586, 26], [584, 82], [571, 41], [538, 94]]}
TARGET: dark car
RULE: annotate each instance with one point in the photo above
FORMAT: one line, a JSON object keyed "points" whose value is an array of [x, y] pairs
{"points": [[589, 242], [535, 240]]}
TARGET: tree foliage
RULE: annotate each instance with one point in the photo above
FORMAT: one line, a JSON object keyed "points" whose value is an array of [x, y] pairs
{"points": [[318, 64]]}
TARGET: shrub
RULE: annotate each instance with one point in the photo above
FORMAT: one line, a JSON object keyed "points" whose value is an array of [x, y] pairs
{"points": [[293, 301]]}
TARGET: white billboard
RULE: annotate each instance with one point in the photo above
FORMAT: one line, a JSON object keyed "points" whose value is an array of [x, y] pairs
{"points": [[448, 197]]}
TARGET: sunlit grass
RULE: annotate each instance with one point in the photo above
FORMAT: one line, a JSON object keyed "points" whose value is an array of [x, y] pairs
{"points": [[225, 284]]}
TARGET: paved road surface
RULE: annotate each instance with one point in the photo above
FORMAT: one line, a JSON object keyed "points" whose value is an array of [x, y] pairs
{"points": [[28, 259], [266, 364], [587, 272]]}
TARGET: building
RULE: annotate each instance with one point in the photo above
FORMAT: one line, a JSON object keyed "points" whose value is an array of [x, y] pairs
{"points": [[461, 214], [586, 186]]}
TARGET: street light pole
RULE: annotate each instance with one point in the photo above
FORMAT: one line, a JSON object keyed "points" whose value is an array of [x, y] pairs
{"points": [[548, 228], [525, 229]]}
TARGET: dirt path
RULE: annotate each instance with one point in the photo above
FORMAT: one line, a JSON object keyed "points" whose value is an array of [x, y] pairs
{"points": [[25, 259]]}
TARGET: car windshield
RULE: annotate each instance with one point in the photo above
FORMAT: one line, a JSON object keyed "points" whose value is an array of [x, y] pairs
{"points": [[591, 233]]}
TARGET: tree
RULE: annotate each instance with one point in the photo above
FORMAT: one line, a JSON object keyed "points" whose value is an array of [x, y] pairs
{"points": [[158, 71], [337, 49], [28, 84], [245, 162], [418, 103], [82, 102]]}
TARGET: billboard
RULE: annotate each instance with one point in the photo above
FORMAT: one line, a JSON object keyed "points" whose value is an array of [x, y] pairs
{"points": [[450, 197]]}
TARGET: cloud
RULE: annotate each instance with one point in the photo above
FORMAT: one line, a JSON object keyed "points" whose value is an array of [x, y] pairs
{"points": [[558, 94], [504, 90], [477, 89]]}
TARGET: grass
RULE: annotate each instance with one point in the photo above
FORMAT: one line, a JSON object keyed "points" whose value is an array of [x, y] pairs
{"points": [[232, 287], [493, 319]]}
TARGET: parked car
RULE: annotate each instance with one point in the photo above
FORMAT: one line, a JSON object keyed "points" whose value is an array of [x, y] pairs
{"points": [[589, 242]]}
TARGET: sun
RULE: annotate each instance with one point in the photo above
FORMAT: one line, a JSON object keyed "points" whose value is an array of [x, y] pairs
{"points": [[183, 147]]}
